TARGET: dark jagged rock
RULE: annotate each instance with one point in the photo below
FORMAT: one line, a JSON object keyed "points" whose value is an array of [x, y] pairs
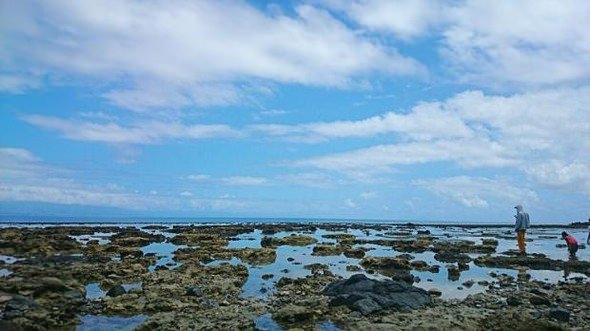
{"points": [[356, 253], [463, 246], [513, 301], [463, 266], [116, 290], [194, 291], [292, 240], [353, 268], [453, 273], [18, 306], [532, 262], [538, 300], [316, 266], [367, 296], [559, 314], [468, 283], [451, 257], [293, 314]]}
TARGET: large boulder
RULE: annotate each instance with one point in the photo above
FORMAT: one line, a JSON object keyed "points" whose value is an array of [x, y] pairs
{"points": [[367, 296]]}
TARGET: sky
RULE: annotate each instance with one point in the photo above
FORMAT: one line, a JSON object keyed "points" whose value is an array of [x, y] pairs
{"points": [[396, 109]]}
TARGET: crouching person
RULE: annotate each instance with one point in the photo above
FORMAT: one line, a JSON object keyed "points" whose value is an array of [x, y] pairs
{"points": [[572, 243]]}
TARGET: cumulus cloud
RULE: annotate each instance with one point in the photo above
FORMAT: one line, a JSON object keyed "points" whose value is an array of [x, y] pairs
{"points": [[149, 132], [406, 19], [524, 43], [424, 122], [190, 48], [573, 176], [544, 134], [469, 153], [478, 192]]}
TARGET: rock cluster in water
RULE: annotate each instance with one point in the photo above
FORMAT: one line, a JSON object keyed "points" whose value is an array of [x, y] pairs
{"points": [[367, 296]]}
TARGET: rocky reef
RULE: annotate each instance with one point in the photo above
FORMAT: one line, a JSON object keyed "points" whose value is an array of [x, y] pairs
{"points": [[294, 276]]}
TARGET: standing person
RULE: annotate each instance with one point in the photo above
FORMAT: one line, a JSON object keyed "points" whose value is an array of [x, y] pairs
{"points": [[522, 223], [572, 243]]}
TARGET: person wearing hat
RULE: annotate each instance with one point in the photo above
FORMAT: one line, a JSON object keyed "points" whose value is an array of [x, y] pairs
{"points": [[522, 223]]}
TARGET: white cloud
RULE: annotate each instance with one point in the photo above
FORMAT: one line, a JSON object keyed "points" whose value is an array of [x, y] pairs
{"points": [[18, 162], [425, 122], [24, 177], [469, 153], [191, 48], [231, 180], [310, 179], [573, 176], [17, 83], [350, 203], [404, 18], [78, 196], [147, 97], [35, 181], [16, 155], [244, 181], [198, 177], [140, 133], [520, 42], [490, 42], [479, 192], [222, 203], [368, 195], [523, 131]]}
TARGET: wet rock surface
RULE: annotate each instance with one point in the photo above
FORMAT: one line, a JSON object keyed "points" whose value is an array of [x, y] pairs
{"points": [[533, 262], [367, 296], [353, 276]]}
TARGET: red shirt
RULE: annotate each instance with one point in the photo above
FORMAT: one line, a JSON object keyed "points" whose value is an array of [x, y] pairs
{"points": [[570, 240]]}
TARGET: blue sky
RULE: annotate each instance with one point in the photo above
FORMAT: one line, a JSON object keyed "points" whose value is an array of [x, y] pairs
{"points": [[406, 110]]}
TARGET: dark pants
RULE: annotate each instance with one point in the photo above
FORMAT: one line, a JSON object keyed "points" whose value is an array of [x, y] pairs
{"points": [[573, 249]]}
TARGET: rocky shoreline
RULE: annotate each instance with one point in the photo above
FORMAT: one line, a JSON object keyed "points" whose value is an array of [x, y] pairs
{"points": [[50, 272]]}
